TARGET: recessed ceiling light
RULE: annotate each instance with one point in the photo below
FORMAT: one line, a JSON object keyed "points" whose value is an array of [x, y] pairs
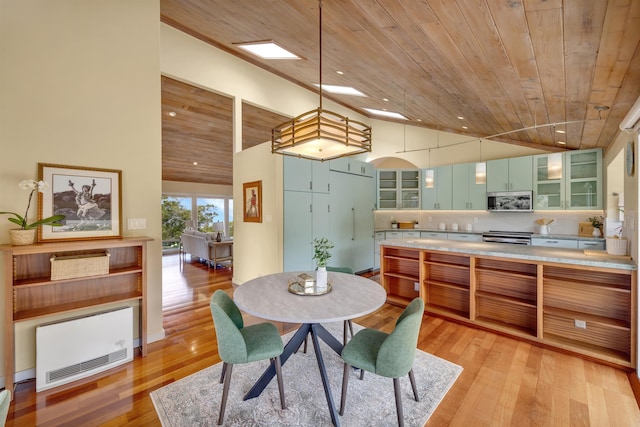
{"points": [[386, 113], [195, 163], [560, 131], [465, 127], [340, 90], [267, 49], [172, 113], [340, 72], [460, 118], [561, 142], [385, 99], [419, 120]]}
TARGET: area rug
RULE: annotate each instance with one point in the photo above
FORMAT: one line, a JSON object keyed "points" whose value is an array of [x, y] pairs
{"points": [[195, 400]]}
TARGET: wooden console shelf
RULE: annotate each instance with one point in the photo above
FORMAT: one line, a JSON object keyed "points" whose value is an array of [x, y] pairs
{"points": [[586, 310], [30, 292]]}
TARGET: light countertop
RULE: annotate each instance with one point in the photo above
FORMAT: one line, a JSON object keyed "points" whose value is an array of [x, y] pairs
{"points": [[532, 253], [479, 232]]}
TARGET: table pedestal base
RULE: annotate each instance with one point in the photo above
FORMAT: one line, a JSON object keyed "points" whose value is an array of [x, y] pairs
{"points": [[316, 331]]}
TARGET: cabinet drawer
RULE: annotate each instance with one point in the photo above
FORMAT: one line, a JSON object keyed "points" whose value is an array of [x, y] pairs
{"points": [[554, 243], [465, 237], [586, 244], [393, 235], [433, 235], [597, 334], [379, 235]]}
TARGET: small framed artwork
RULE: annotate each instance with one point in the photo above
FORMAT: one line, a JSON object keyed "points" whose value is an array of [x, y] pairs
{"points": [[89, 198], [252, 201]]}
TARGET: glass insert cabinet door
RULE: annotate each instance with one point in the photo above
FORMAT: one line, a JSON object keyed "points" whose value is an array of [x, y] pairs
{"points": [[387, 189], [576, 185], [410, 189], [548, 183], [584, 184]]}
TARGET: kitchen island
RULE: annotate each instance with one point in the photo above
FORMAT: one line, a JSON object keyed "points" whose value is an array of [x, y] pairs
{"points": [[558, 297]]}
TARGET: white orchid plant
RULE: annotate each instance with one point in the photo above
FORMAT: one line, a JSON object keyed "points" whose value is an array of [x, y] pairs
{"points": [[33, 186]]}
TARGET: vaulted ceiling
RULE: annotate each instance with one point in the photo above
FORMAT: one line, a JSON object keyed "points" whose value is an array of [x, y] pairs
{"points": [[502, 65]]}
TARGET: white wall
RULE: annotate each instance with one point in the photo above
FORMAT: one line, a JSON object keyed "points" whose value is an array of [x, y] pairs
{"points": [[258, 246], [80, 85]]}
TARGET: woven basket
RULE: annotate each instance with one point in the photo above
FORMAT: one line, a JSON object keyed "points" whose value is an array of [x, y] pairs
{"points": [[71, 267]]}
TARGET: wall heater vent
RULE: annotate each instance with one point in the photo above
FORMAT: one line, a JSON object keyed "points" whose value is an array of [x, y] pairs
{"points": [[82, 346]]}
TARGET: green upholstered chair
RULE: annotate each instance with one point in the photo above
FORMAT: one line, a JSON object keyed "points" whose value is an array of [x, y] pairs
{"points": [[388, 355], [240, 344], [5, 401]]}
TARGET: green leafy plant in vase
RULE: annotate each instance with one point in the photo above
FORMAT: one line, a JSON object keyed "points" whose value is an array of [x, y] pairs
{"points": [[321, 254], [596, 223]]}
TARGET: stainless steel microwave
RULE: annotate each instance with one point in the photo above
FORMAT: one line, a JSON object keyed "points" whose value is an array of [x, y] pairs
{"points": [[510, 201]]}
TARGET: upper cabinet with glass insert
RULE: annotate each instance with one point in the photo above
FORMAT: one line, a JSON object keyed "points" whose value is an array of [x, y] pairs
{"points": [[398, 189], [569, 181]]}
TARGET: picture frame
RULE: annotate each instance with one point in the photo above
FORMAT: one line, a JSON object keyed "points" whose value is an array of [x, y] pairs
{"points": [[252, 198], [90, 199]]}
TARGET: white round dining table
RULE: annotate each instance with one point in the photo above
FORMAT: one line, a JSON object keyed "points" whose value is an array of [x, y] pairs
{"points": [[268, 297]]}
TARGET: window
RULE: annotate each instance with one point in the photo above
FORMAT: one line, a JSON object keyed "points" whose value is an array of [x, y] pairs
{"points": [[207, 214]]}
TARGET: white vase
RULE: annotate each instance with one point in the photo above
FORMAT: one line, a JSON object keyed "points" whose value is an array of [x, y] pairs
{"points": [[321, 279], [21, 237], [544, 229], [596, 232]]}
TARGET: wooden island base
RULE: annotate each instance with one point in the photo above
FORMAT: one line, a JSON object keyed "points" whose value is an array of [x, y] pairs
{"points": [[583, 309]]}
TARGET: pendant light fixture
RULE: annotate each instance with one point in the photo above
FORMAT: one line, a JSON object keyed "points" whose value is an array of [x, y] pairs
{"points": [[320, 134], [429, 175], [481, 169]]}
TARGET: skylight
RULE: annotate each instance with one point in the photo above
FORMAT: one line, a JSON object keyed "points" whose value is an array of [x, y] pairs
{"points": [[385, 113], [340, 90], [267, 50]]}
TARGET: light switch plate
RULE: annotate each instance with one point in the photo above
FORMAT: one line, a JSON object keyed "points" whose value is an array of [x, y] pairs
{"points": [[582, 324], [137, 223]]}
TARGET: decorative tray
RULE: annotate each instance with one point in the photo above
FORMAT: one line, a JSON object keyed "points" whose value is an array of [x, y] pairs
{"points": [[300, 287]]}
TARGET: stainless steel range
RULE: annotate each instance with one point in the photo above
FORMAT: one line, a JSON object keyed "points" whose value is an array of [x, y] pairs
{"points": [[511, 237]]}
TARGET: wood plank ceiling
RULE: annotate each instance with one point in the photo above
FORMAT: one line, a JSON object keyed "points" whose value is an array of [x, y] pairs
{"points": [[502, 65]]}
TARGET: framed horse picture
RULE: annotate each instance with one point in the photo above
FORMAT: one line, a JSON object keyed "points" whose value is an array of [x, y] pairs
{"points": [[89, 198]]}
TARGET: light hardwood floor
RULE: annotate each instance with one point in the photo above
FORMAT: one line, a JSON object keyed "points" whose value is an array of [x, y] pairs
{"points": [[505, 382]]}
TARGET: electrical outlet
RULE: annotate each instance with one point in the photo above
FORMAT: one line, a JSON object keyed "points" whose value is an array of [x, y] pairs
{"points": [[582, 324], [416, 286]]}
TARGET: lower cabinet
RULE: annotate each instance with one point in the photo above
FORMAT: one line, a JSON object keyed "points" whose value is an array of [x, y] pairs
{"points": [[586, 310]]}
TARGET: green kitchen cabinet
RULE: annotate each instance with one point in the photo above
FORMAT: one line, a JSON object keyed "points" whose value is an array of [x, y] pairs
{"points": [[514, 174], [467, 193], [440, 195]]}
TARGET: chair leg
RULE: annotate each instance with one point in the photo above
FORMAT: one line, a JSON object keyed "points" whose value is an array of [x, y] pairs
{"points": [[276, 361], [345, 384], [224, 370], [347, 324], [225, 393], [413, 385], [361, 374], [396, 389]]}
